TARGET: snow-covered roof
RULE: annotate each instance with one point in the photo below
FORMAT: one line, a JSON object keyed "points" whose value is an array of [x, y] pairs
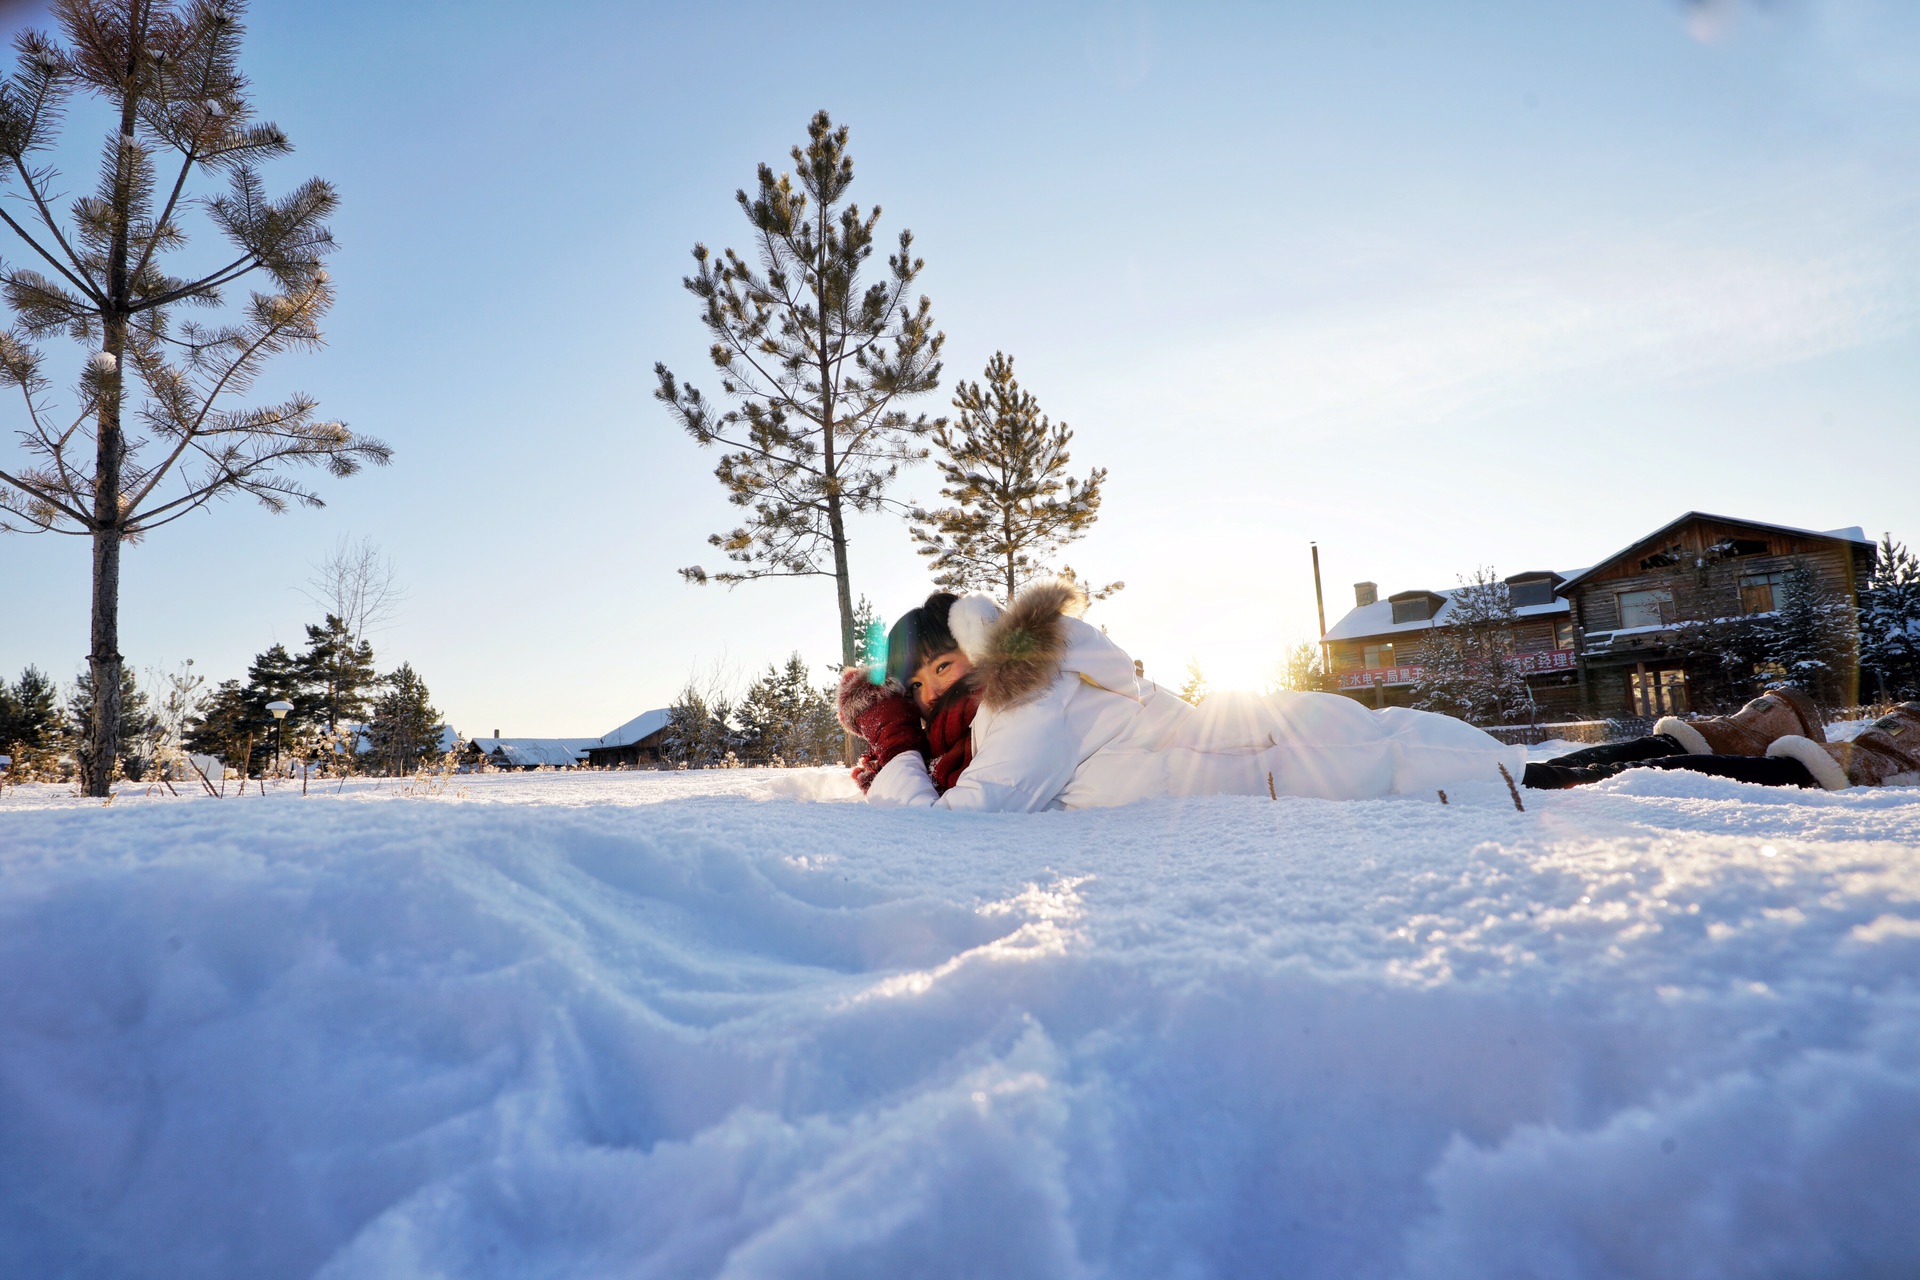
{"points": [[449, 738], [1376, 619], [644, 725], [1852, 533], [528, 753]]}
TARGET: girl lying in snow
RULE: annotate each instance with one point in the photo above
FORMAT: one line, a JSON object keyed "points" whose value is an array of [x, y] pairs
{"points": [[1776, 740], [1030, 708]]}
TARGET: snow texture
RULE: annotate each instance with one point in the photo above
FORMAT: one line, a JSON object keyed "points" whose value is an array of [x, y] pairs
{"points": [[704, 1024]]}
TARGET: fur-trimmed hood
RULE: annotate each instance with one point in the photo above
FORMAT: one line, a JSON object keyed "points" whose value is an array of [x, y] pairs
{"points": [[1018, 652]]}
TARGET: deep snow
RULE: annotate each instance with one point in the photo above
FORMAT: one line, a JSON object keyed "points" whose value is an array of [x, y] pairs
{"points": [[701, 1024]]}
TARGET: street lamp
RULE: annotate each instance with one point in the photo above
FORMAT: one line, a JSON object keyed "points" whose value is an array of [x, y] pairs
{"points": [[280, 707]]}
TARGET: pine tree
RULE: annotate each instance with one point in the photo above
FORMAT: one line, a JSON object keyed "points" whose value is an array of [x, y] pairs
{"points": [[1467, 663], [276, 676], [1003, 465], [784, 716], [697, 731], [132, 751], [336, 674], [30, 718], [1812, 638], [1194, 691], [870, 638], [222, 725], [1304, 670], [169, 73], [816, 366], [405, 728], [1890, 623]]}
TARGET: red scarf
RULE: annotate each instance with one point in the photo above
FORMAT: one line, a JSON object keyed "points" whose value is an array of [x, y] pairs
{"points": [[950, 734]]}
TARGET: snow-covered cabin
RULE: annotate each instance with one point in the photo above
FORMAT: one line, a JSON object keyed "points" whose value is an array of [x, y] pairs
{"points": [[530, 753], [640, 741], [1640, 612], [1616, 638], [1373, 652]]}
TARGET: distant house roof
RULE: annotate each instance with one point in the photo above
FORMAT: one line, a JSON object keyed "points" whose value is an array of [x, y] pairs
{"points": [[1376, 619], [529, 753], [449, 738], [1852, 533], [644, 725]]}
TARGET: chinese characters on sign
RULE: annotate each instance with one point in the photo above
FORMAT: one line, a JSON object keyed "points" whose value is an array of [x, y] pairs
{"points": [[1527, 663], [1551, 660]]}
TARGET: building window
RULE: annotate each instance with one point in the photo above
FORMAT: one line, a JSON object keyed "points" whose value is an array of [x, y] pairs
{"points": [[1414, 610], [1759, 592], [1377, 656], [1563, 633], [1660, 693], [1527, 594], [1645, 608]]}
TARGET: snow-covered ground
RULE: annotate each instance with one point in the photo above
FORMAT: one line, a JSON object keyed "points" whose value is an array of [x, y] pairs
{"points": [[710, 1025]]}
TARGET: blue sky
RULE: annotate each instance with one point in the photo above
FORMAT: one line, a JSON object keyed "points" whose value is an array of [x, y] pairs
{"points": [[1437, 285]]}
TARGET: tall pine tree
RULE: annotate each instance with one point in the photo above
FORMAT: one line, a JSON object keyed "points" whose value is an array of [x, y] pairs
{"points": [[1003, 467], [816, 366], [1890, 623], [336, 674], [168, 76]]}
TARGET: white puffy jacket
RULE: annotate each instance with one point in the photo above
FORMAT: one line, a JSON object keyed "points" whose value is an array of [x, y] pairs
{"points": [[1064, 723]]}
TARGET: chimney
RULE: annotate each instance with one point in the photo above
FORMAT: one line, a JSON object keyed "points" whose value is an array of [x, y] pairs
{"points": [[1366, 593], [496, 733]]}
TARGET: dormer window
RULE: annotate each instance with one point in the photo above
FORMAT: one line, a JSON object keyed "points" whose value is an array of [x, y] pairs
{"points": [[1530, 592], [1416, 606]]}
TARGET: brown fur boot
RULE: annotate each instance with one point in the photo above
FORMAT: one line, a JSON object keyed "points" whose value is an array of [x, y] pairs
{"points": [[1885, 752], [1751, 729]]}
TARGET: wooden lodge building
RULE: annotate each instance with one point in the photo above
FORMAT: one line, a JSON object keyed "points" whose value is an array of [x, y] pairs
{"points": [[1374, 652], [1636, 611], [1619, 637]]}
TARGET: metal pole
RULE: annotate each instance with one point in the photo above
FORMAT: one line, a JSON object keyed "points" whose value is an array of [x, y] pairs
{"points": [[1320, 605]]}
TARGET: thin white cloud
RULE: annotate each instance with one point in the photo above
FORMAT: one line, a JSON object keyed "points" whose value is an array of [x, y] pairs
{"points": [[1541, 325]]}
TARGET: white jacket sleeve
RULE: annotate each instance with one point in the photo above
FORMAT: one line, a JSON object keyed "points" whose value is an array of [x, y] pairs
{"points": [[1023, 759], [903, 783]]}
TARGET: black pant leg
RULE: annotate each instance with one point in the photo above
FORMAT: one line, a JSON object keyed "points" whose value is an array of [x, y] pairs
{"points": [[1633, 749], [1768, 772], [1554, 776], [1765, 770]]}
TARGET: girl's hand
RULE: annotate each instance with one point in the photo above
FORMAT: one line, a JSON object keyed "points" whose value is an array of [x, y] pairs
{"points": [[884, 716]]}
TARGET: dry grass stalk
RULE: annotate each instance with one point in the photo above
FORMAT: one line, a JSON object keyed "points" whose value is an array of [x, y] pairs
{"points": [[1512, 790]]}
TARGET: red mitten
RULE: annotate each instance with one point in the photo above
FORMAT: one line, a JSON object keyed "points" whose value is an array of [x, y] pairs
{"points": [[884, 716]]}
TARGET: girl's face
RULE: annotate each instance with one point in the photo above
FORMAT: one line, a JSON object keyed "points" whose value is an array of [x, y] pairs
{"points": [[935, 676]]}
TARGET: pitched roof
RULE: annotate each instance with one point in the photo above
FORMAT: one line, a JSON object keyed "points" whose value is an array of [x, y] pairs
{"points": [[529, 752], [1852, 533], [644, 725], [449, 738], [1376, 619]]}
